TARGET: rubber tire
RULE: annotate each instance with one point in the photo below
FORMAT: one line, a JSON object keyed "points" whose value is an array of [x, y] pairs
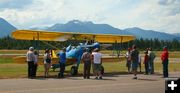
{"points": [[74, 71], [53, 68]]}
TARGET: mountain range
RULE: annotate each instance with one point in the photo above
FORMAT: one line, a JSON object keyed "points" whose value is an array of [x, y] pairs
{"points": [[176, 34], [6, 28], [150, 34], [90, 27]]}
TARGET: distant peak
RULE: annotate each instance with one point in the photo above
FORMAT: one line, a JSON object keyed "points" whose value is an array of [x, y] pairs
{"points": [[75, 21], [57, 24], [88, 22], [136, 28], [80, 22]]}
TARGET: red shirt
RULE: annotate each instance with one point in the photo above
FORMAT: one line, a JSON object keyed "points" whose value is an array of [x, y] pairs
{"points": [[145, 58], [164, 55]]}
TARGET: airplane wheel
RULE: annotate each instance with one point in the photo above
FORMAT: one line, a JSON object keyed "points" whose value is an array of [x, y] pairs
{"points": [[102, 70], [53, 68], [74, 70]]}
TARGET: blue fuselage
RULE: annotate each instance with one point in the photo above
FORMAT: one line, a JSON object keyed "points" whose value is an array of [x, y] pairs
{"points": [[79, 50]]}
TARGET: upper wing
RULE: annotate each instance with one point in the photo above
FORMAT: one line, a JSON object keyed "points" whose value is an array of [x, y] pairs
{"points": [[40, 35], [63, 36]]}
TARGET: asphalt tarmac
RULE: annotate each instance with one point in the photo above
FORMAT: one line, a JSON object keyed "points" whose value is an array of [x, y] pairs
{"points": [[110, 84]]}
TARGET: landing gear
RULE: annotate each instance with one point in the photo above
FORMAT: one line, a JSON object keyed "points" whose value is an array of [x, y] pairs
{"points": [[54, 66], [74, 70]]}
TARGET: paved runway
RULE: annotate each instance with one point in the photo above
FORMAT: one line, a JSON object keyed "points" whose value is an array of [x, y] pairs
{"points": [[109, 84]]}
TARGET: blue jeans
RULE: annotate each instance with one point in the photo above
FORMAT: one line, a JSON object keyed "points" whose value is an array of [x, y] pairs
{"points": [[134, 65], [165, 68], [146, 67], [62, 68], [151, 66]]}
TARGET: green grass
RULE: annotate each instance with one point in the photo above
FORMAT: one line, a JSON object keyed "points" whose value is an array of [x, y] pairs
{"points": [[6, 60], [20, 70], [174, 54], [13, 51], [12, 70]]}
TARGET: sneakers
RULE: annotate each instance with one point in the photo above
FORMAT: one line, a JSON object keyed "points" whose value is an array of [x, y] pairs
{"points": [[86, 77], [135, 77], [98, 77]]}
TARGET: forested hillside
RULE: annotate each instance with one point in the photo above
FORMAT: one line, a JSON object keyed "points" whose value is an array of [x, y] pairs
{"points": [[10, 43]]}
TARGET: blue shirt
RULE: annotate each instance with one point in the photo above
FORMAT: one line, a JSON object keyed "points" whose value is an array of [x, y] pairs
{"points": [[62, 57]]}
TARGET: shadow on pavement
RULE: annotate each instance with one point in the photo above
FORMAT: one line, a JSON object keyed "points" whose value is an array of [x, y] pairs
{"points": [[143, 79]]}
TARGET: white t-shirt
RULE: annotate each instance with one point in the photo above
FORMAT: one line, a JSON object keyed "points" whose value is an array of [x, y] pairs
{"points": [[30, 56], [149, 52], [128, 56], [97, 57]]}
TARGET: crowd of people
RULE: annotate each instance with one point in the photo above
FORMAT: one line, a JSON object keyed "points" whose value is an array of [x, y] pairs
{"points": [[134, 61], [89, 57], [94, 58]]}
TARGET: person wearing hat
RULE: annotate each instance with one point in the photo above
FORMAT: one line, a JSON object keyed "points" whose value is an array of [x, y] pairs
{"points": [[87, 59], [62, 62], [97, 60], [165, 61], [30, 58]]}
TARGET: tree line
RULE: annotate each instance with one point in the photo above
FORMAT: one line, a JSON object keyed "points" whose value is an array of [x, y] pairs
{"points": [[156, 44]]}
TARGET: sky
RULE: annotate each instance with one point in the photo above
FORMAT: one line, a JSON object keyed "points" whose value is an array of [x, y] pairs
{"points": [[158, 15]]}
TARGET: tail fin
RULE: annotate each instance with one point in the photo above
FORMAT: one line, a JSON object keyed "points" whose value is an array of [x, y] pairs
{"points": [[53, 54]]}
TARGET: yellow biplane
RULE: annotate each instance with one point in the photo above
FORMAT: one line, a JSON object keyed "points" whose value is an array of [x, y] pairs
{"points": [[73, 54]]}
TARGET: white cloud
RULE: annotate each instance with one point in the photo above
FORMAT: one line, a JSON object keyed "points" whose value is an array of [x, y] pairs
{"points": [[150, 15], [162, 15]]}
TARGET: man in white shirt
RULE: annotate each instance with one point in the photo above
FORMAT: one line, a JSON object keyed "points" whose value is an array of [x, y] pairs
{"points": [[97, 61]]}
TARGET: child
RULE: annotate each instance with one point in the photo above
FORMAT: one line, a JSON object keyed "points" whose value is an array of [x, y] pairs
{"points": [[35, 63]]}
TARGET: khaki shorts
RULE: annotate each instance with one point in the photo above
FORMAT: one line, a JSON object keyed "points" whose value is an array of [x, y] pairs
{"points": [[97, 67]]}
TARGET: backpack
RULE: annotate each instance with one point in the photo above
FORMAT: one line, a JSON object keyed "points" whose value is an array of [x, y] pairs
{"points": [[48, 59]]}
